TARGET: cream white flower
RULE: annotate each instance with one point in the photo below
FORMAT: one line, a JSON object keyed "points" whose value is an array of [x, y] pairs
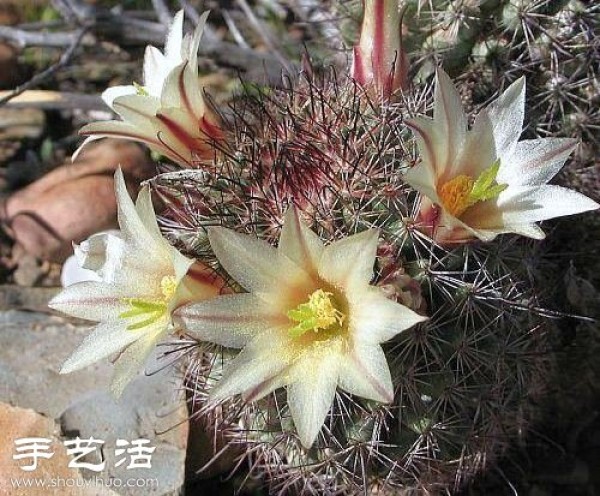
{"points": [[167, 112], [310, 321], [143, 279], [483, 181]]}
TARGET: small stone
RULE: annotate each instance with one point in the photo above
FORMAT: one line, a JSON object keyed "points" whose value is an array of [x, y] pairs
{"points": [[18, 424]]}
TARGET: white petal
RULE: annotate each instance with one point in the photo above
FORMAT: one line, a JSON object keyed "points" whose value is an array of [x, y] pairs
{"points": [[365, 373], [425, 173], [230, 320], [105, 339], [479, 150], [118, 129], [138, 110], [182, 91], [132, 360], [535, 162], [156, 69], [297, 242], [133, 228], [91, 301], [507, 113], [109, 94], [450, 122], [348, 263], [72, 273], [420, 178], [174, 41], [252, 262], [194, 43], [376, 319], [92, 253], [523, 205], [145, 211], [311, 394], [257, 370]]}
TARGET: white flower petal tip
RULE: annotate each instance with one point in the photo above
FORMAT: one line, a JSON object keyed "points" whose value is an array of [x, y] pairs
{"points": [[168, 112], [481, 182], [311, 322], [139, 280]]}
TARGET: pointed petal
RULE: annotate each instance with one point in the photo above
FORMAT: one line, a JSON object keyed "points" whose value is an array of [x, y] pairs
{"points": [[297, 242], [174, 40], [145, 211], [365, 373], [155, 70], [91, 301], [523, 205], [104, 340], [192, 48], [376, 319], [230, 320], [348, 263], [132, 227], [535, 162], [137, 110], [311, 394], [252, 262], [507, 114], [117, 129], [110, 94], [479, 150], [257, 370], [182, 91], [419, 178], [129, 364], [426, 172], [450, 122]]}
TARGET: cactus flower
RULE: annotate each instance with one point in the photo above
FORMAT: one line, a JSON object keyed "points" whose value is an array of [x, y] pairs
{"points": [[310, 321], [143, 279], [168, 112], [379, 61], [482, 182]]}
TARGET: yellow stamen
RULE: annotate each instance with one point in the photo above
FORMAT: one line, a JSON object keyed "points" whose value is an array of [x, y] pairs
{"points": [[462, 192], [168, 286], [319, 313], [455, 194], [148, 311]]}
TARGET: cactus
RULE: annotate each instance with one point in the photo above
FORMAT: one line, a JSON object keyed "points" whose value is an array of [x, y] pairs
{"points": [[464, 381]]}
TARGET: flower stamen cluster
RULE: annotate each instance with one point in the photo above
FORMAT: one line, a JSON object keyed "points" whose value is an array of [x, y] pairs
{"points": [[318, 314]]}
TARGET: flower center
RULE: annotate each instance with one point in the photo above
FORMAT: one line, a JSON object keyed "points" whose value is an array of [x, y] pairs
{"points": [[148, 311], [462, 192], [317, 314]]}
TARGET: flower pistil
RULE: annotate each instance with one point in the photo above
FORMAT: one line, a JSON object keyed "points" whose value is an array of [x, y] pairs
{"points": [[150, 311]]}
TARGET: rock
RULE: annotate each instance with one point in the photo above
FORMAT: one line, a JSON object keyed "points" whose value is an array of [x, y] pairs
{"points": [[73, 201], [148, 408], [19, 423]]}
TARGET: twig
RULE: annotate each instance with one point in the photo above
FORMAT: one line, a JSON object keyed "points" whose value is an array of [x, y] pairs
{"points": [[235, 32], [26, 38], [42, 76], [53, 100], [162, 11], [263, 32]]}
